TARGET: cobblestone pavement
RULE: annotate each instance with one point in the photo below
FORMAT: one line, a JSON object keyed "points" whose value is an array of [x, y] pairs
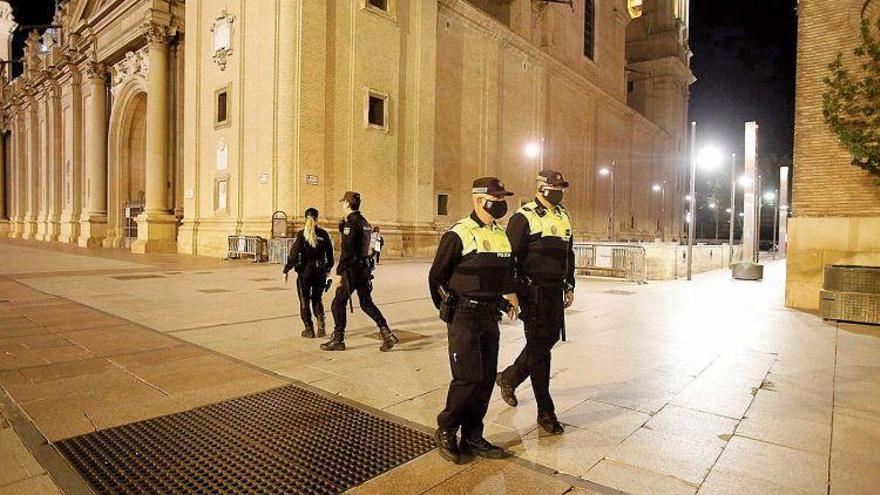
{"points": [[708, 387]]}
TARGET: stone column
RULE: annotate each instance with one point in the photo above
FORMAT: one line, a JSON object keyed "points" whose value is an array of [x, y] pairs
{"points": [[7, 26], [157, 226], [93, 222], [16, 179], [72, 136], [55, 172], [44, 178], [4, 216], [32, 154]]}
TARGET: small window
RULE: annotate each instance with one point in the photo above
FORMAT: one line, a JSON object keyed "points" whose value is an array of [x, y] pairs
{"points": [[442, 204], [378, 4], [590, 29], [630, 86], [221, 107], [376, 111]]}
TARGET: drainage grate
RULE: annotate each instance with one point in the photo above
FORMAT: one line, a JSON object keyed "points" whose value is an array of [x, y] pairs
{"points": [[136, 277], [286, 440], [404, 336]]}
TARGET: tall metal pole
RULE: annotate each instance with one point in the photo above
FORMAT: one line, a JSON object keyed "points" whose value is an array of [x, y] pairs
{"points": [[732, 203], [612, 219], [663, 210], [760, 206], [692, 207], [775, 219]]}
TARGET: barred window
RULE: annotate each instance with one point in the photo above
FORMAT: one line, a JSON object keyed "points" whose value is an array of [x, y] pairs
{"points": [[590, 29]]}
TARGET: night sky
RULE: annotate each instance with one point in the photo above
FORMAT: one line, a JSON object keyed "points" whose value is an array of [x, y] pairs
{"points": [[744, 60]]}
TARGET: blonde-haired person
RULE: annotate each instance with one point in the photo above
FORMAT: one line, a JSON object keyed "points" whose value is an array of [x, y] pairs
{"points": [[311, 256]]}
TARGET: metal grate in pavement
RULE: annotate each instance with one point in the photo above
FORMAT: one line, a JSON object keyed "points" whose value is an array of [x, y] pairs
{"points": [[285, 440], [404, 336]]}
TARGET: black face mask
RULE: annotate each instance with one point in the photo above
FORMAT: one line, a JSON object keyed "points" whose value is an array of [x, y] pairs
{"points": [[553, 196], [495, 208]]}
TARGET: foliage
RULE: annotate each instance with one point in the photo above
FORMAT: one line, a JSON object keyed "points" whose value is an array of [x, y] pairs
{"points": [[851, 104]]}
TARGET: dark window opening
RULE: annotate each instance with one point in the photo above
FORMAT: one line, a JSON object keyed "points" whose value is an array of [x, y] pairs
{"points": [[630, 86], [500, 11], [590, 28], [379, 4], [442, 204], [376, 112], [222, 106]]}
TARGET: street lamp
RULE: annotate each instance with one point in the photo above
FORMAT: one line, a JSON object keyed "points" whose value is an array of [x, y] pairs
{"points": [[660, 187], [708, 158], [732, 208], [535, 149], [609, 171]]}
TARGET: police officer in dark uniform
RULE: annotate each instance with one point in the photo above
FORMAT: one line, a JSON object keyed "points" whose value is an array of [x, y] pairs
{"points": [[311, 257], [354, 273], [471, 283], [541, 241]]}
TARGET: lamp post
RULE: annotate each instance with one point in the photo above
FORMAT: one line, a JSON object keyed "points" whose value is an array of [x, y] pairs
{"points": [[732, 205], [714, 207], [661, 188], [693, 199], [609, 171]]}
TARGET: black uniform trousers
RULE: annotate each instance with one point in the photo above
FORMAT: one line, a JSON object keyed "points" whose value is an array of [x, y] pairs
{"points": [[361, 284], [310, 288], [543, 310], [473, 357]]}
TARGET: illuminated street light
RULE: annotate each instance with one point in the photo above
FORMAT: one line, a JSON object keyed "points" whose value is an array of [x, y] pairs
{"points": [[656, 188], [745, 180], [687, 198], [712, 206], [709, 158], [604, 171], [609, 171], [769, 196], [728, 210], [533, 149], [741, 214]]}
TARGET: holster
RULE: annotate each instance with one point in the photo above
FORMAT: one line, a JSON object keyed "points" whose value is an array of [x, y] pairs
{"points": [[447, 307]]}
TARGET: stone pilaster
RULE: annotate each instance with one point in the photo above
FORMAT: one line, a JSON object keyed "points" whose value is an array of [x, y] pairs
{"points": [[157, 226], [93, 222], [72, 176], [32, 161]]}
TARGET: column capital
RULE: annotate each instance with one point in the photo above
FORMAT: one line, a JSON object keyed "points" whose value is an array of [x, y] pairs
{"points": [[93, 70], [157, 33]]}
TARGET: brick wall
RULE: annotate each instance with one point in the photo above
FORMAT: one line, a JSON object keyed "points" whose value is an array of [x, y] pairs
{"points": [[825, 184]]}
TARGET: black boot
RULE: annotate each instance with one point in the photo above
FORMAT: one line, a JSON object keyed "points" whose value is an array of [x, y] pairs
{"points": [[548, 421], [481, 447], [309, 332], [388, 338], [508, 393], [447, 445], [322, 326], [336, 342]]}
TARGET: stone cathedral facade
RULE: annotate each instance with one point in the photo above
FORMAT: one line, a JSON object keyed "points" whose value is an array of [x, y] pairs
{"points": [[168, 125]]}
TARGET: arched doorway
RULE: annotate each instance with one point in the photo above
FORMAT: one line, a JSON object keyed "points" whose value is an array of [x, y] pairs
{"points": [[127, 155]]}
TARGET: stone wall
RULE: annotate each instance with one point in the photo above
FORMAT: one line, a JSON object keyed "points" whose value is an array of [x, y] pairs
{"points": [[668, 261], [835, 206]]}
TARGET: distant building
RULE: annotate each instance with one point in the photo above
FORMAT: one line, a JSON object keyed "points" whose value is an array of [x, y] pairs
{"points": [[168, 125], [835, 206]]}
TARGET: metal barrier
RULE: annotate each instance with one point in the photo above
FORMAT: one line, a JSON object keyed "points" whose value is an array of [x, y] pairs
{"points": [[241, 246], [628, 262], [279, 249]]}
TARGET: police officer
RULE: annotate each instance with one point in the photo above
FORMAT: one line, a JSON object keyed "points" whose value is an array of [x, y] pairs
{"points": [[542, 245], [311, 257], [354, 273], [472, 270]]}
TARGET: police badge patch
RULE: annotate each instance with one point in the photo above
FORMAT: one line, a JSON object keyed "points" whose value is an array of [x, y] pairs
{"points": [[486, 245], [554, 230], [346, 231]]}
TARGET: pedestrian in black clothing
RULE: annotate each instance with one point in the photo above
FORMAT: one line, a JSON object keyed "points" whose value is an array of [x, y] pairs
{"points": [[541, 241], [471, 283], [311, 257], [354, 273]]}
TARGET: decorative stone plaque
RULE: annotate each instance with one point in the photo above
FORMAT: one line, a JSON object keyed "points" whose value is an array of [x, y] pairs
{"points": [[264, 178], [222, 38], [312, 180], [222, 155], [221, 194]]}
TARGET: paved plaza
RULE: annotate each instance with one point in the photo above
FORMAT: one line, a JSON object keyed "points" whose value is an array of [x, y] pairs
{"points": [[710, 386]]}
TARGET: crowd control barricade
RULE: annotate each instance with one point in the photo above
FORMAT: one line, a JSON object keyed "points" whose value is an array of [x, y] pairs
{"points": [[243, 246], [624, 261], [279, 249]]}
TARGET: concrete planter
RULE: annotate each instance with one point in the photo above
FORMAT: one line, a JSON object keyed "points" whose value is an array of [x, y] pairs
{"points": [[747, 271]]}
